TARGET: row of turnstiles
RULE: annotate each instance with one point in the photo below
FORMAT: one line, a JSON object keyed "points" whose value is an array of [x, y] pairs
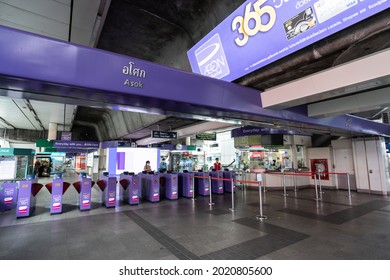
{"points": [[132, 189]]}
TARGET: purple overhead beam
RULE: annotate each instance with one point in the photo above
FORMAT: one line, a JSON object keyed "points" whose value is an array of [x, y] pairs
{"points": [[46, 69]]}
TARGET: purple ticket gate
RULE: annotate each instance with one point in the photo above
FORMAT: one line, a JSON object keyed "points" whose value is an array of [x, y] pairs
{"points": [[216, 185], [8, 196], [109, 193], [227, 184], [83, 187], [186, 186], [202, 185], [169, 185], [57, 188], [26, 197], [131, 186], [151, 187]]}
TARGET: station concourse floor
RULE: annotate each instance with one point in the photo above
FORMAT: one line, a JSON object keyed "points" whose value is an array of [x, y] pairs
{"points": [[297, 228]]}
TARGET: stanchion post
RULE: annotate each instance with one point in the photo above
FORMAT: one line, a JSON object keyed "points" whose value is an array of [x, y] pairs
{"points": [[260, 217], [284, 185], [349, 185], [315, 186], [295, 182], [319, 182], [193, 188], [232, 188], [210, 192]]}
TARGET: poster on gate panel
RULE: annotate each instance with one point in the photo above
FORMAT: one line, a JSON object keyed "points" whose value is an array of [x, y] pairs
{"points": [[320, 165]]}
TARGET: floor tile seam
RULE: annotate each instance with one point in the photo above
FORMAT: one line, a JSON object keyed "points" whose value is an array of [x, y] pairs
{"points": [[312, 199], [161, 237]]}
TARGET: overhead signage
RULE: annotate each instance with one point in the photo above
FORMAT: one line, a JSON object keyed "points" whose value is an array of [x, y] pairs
{"points": [[76, 144], [252, 130], [6, 151], [66, 136], [206, 136], [164, 134], [263, 31]]}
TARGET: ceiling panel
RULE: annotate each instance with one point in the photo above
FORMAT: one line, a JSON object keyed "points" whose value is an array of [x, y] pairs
{"points": [[20, 114], [10, 112]]}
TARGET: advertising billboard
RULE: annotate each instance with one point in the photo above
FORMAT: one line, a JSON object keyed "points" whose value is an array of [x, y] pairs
{"points": [[260, 32]]}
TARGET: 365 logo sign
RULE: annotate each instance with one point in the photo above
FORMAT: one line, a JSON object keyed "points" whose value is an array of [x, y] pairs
{"points": [[211, 58], [253, 21]]}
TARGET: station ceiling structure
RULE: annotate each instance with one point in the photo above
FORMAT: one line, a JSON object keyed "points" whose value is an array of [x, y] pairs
{"points": [[162, 32]]}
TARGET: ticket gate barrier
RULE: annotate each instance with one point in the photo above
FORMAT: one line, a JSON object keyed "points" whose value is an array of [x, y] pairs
{"points": [[57, 188], [186, 184], [151, 187], [202, 183], [84, 188], [216, 183], [228, 184], [8, 196], [109, 191], [131, 186], [28, 189], [169, 185]]}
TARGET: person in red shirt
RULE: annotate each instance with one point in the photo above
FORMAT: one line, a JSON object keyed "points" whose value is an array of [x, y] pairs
{"points": [[217, 164]]}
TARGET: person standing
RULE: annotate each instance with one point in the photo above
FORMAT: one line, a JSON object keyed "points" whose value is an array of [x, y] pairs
{"points": [[217, 164]]}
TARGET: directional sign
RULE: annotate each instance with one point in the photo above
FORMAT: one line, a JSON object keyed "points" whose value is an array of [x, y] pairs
{"points": [[164, 134]]}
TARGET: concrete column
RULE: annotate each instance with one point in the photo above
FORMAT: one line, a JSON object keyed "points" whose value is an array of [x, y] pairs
{"points": [[188, 141], [52, 131]]}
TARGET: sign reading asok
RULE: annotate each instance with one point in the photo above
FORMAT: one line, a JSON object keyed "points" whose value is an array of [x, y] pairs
{"points": [[260, 32]]}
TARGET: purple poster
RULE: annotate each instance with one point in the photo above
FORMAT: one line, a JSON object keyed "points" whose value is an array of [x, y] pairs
{"points": [[8, 196], [85, 193], [24, 199], [263, 31], [56, 196]]}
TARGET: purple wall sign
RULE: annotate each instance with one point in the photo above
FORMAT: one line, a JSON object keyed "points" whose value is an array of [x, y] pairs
{"points": [[76, 144], [24, 199], [252, 130], [56, 196], [8, 196], [66, 136], [261, 32]]}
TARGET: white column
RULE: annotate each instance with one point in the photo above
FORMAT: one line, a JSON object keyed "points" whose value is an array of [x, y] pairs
{"points": [[52, 131]]}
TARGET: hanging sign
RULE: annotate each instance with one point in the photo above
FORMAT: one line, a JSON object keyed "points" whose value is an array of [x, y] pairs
{"points": [[164, 134], [263, 31]]}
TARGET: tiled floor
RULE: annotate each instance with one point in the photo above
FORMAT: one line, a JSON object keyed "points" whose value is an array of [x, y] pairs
{"points": [[298, 227]]}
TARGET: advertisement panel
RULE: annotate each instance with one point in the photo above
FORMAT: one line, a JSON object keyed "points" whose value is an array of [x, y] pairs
{"points": [[260, 32]]}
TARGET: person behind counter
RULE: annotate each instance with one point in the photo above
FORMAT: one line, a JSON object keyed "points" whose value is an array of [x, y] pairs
{"points": [[217, 165], [163, 166], [147, 167]]}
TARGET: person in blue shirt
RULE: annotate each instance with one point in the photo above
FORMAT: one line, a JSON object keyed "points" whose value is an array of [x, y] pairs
{"points": [[163, 166]]}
